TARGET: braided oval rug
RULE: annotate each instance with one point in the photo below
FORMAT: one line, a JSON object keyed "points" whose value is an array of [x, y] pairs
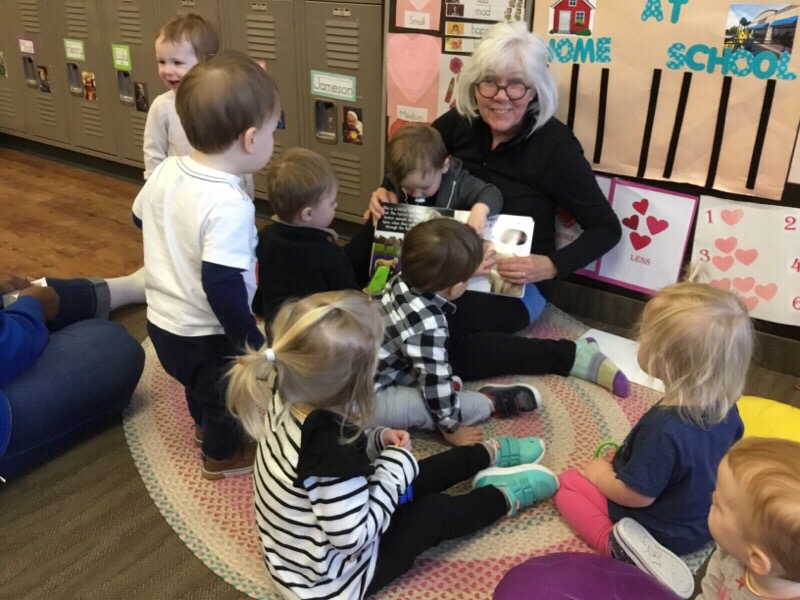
{"points": [[216, 519]]}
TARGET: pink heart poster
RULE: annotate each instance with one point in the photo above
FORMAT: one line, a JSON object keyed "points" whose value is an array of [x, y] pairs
{"points": [[412, 82], [655, 230], [753, 250]]}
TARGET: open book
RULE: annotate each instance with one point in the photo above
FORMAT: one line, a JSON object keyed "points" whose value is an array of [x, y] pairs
{"points": [[510, 235]]}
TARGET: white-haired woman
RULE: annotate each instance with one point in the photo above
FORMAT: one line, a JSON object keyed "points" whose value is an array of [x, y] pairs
{"points": [[504, 131]]}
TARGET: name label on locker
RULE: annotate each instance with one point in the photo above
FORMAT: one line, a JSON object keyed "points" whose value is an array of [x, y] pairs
{"points": [[333, 85]]}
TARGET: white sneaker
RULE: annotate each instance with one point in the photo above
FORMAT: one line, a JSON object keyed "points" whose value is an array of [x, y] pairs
{"points": [[642, 549]]}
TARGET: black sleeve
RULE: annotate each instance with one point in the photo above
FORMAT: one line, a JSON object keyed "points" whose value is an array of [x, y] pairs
{"points": [[446, 125], [227, 295], [338, 272]]}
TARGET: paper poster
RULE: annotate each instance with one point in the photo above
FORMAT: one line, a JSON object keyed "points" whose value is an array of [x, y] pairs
{"points": [[26, 46], [753, 250], [567, 229], [74, 49], [412, 65], [701, 92], [418, 14], [121, 56], [655, 230], [352, 125]]}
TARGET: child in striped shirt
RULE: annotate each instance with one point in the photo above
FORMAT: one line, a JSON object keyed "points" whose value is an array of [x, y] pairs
{"points": [[343, 511]]}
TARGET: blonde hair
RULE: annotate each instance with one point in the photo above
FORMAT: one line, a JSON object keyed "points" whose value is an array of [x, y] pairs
{"points": [[769, 471], [194, 29], [698, 339], [296, 179], [223, 96], [505, 48], [412, 148], [324, 352]]}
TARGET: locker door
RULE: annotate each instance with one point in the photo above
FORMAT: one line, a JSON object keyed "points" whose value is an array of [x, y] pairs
{"points": [[12, 82], [265, 31], [44, 94], [90, 106], [133, 23], [343, 49], [208, 9]]}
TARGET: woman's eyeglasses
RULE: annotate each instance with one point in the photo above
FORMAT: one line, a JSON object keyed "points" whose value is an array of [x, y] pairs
{"points": [[514, 90]]}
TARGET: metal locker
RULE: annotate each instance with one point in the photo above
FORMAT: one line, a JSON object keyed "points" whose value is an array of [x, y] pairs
{"points": [[266, 31], [91, 78], [44, 93], [133, 23], [344, 96], [208, 9], [12, 82]]}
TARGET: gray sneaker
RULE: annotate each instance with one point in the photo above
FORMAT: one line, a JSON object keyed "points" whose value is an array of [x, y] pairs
{"points": [[511, 399]]}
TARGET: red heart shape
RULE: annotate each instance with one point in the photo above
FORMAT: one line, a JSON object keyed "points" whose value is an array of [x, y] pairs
{"points": [[723, 263], [746, 257], [726, 245], [723, 283], [731, 217], [743, 285], [750, 302], [767, 292], [632, 222], [639, 241], [656, 225], [641, 206]]}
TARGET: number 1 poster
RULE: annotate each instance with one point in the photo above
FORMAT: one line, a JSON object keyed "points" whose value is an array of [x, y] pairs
{"points": [[753, 250]]}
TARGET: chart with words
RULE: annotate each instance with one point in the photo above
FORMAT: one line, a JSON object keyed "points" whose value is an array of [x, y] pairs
{"points": [[753, 250]]}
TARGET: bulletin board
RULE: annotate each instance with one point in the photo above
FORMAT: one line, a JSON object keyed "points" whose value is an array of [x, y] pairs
{"points": [[703, 92]]}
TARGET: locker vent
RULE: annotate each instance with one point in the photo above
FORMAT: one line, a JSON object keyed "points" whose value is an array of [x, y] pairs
{"points": [[261, 36], [92, 121], [77, 25], [7, 104], [341, 44], [30, 16], [138, 120], [348, 169], [46, 110], [130, 24]]}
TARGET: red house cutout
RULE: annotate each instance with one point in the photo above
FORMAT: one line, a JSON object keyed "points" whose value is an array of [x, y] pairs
{"points": [[571, 16]]}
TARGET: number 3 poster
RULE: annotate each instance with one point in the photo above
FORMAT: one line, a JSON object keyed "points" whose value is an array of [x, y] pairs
{"points": [[753, 250]]}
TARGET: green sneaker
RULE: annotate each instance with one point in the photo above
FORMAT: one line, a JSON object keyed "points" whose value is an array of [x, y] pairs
{"points": [[512, 451], [523, 485]]}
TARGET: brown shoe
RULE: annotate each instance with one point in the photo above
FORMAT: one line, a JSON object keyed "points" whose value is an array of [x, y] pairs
{"points": [[198, 436], [240, 463]]}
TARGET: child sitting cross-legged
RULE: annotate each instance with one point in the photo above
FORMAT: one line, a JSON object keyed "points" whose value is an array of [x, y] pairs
{"points": [[415, 385], [755, 520], [298, 254], [342, 511]]}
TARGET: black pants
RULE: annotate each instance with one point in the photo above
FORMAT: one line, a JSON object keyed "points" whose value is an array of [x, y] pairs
{"points": [[433, 517], [482, 340], [200, 363]]}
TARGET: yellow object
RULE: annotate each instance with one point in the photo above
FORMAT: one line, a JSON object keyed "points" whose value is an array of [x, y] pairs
{"points": [[768, 418]]}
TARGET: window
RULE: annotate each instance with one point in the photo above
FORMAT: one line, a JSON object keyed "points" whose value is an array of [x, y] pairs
{"points": [[580, 16], [573, 2]]}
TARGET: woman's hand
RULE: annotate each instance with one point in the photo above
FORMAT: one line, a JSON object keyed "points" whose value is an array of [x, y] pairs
{"points": [[526, 269], [396, 437], [47, 297], [12, 283], [375, 209], [489, 259]]}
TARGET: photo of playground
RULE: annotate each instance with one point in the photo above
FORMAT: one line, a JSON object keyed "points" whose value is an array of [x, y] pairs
{"points": [[762, 27]]}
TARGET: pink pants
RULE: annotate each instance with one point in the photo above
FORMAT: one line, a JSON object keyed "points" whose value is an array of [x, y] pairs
{"points": [[585, 508]]}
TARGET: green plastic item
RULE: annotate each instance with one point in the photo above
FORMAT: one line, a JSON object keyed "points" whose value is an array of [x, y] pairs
{"points": [[379, 279], [603, 445]]}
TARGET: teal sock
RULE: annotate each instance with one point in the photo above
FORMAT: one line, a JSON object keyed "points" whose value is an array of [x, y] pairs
{"points": [[592, 365]]}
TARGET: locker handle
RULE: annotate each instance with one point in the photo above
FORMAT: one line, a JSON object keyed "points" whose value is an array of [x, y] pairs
{"points": [[75, 80], [325, 125]]}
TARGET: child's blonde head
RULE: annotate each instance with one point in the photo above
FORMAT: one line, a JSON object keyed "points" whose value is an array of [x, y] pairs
{"points": [[223, 96], [698, 339], [440, 253], [413, 148], [194, 29], [324, 352], [768, 472], [296, 179]]}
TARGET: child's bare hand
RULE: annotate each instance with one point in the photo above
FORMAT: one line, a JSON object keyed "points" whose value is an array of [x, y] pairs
{"points": [[595, 469], [375, 209], [477, 218], [396, 437], [464, 436], [47, 297], [610, 454], [489, 259]]}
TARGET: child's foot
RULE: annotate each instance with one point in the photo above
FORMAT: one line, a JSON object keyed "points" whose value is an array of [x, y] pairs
{"points": [[632, 543], [240, 463], [522, 485], [592, 365], [510, 400], [511, 451], [198, 436]]}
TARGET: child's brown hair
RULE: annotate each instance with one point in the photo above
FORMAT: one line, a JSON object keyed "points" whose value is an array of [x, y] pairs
{"points": [[194, 29], [414, 148], [298, 178], [223, 96], [769, 470], [440, 253]]}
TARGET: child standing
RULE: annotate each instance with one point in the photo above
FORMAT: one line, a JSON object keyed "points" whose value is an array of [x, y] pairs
{"points": [[180, 44], [199, 244], [329, 496], [755, 520], [297, 254], [698, 340], [415, 385]]}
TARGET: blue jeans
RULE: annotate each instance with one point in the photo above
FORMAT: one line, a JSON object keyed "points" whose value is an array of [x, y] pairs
{"points": [[84, 377]]}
